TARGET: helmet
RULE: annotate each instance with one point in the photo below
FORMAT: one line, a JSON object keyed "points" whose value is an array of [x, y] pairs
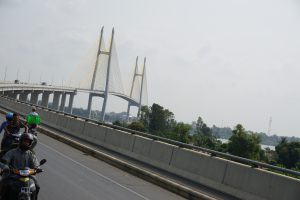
{"points": [[9, 116], [26, 136], [33, 108]]}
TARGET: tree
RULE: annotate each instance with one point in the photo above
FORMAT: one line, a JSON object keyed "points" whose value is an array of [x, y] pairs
{"points": [[160, 120], [117, 123], [181, 132], [288, 153], [156, 118], [202, 128], [138, 126], [243, 144], [204, 136], [145, 116]]}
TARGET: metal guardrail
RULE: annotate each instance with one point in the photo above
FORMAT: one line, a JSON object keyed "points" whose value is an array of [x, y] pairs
{"points": [[246, 161]]}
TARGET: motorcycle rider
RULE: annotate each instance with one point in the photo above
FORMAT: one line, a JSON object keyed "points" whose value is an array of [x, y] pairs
{"points": [[12, 127], [9, 117], [33, 111], [32, 120], [18, 158]]}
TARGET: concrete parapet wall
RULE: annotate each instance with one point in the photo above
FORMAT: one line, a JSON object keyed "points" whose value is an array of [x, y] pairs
{"points": [[246, 182], [153, 152], [62, 122], [119, 141], [51, 118], [239, 180], [94, 133], [75, 127], [198, 167]]}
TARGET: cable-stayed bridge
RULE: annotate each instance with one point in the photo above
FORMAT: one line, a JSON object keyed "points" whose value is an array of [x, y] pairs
{"points": [[189, 171], [97, 74]]}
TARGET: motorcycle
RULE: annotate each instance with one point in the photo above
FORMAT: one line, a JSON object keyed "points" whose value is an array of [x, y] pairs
{"points": [[23, 186]]}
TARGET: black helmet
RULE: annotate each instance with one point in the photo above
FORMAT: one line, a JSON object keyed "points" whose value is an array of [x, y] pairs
{"points": [[26, 136]]}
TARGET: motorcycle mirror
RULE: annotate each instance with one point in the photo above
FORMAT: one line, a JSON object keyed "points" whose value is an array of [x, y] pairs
{"points": [[43, 161], [39, 170]]}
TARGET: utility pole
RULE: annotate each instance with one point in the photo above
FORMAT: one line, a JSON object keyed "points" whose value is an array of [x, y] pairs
{"points": [[52, 80], [4, 79], [269, 128], [28, 76], [18, 74], [41, 77]]}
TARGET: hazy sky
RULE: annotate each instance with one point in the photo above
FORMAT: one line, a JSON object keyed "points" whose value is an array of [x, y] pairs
{"points": [[229, 61]]}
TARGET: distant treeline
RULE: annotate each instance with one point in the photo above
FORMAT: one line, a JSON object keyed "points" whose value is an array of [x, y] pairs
{"points": [[95, 114], [223, 133], [273, 140], [159, 121]]}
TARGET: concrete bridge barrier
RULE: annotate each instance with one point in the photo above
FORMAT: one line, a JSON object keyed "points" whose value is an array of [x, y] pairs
{"points": [[153, 152], [50, 118], [246, 182], [236, 179], [119, 141], [161, 154], [62, 122], [94, 133], [44, 116], [75, 127], [199, 167]]}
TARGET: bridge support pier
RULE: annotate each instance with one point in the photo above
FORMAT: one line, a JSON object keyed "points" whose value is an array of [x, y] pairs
{"points": [[63, 102], [23, 96], [71, 100], [34, 97], [89, 109], [128, 112], [45, 99], [56, 97]]}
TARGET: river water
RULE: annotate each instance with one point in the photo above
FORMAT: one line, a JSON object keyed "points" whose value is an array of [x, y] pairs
{"points": [[262, 145]]}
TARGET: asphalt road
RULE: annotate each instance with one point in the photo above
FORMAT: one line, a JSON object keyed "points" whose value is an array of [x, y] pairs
{"points": [[70, 174]]}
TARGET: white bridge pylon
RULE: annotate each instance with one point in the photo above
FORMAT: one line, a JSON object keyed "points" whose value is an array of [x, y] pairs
{"points": [[99, 75]]}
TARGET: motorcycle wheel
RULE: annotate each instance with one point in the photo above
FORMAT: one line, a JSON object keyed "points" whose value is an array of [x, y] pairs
{"points": [[24, 197]]}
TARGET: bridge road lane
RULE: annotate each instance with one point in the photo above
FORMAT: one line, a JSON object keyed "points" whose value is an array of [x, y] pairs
{"points": [[70, 174]]}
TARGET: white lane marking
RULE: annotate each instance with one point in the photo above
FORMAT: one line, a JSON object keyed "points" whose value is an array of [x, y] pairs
{"points": [[91, 170]]}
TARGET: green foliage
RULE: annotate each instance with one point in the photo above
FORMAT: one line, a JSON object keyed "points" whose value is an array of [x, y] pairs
{"points": [[224, 133], [243, 144], [160, 119], [272, 140], [138, 126], [288, 153], [156, 118], [204, 137], [117, 123], [145, 116], [181, 132]]}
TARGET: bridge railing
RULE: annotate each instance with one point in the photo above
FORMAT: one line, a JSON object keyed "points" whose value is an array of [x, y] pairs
{"points": [[246, 161]]}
